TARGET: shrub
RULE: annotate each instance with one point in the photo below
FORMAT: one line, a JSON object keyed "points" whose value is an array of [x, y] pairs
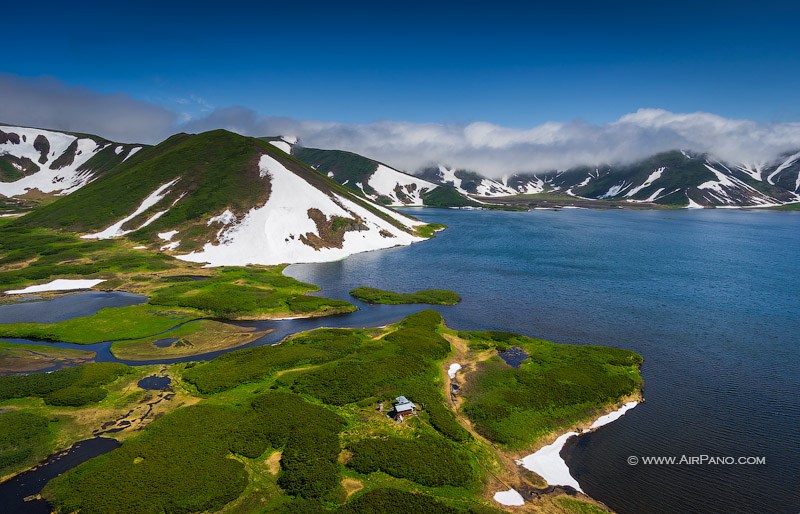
{"points": [[427, 460]]}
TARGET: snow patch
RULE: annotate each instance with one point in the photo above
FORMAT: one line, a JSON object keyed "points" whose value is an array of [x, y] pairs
{"points": [[47, 180], [615, 190], [133, 151], [60, 284], [647, 183], [226, 218], [115, 230], [282, 145], [166, 236], [785, 164], [453, 370], [510, 498], [547, 461], [385, 181], [692, 203], [608, 418], [270, 234]]}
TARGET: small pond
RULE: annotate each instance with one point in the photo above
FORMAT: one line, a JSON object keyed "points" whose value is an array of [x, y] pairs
{"points": [[155, 383], [514, 356]]}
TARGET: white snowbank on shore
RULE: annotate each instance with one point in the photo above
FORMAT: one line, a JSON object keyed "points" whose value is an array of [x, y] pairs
{"points": [[547, 461], [510, 498], [548, 464], [60, 284], [608, 418], [453, 370]]}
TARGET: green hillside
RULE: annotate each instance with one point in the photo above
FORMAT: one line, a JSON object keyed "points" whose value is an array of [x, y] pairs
{"points": [[216, 170]]}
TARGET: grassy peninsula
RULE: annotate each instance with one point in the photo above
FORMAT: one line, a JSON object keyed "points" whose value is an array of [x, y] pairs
{"points": [[297, 427], [426, 296]]}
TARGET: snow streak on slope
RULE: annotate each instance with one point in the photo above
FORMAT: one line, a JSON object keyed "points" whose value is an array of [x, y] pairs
{"points": [[484, 187], [116, 230], [51, 177], [283, 144], [785, 164], [401, 188], [274, 233], [647, 183]]}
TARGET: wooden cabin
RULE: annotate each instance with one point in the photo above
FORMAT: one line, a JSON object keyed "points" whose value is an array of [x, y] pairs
{"points": [[402, 408]]}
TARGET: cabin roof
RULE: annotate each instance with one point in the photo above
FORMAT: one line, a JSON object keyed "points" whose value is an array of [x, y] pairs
{"points": [[402, 399], [404, 407]]}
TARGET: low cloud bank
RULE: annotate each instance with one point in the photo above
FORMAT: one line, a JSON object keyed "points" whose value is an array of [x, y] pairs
{"points": [[486, 147]]}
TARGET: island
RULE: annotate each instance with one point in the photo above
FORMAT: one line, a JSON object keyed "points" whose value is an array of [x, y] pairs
{"points": [[426, 296]]}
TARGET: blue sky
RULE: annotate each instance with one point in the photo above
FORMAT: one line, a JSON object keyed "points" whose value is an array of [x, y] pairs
{"points": [[513, 65]]}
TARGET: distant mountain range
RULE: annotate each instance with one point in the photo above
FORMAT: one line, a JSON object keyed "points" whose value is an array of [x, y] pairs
{"points": [[229, 172], [215, 197], [676, 178]]}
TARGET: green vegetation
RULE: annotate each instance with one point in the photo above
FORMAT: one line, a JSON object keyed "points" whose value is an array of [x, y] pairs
{"points": [[447, 196], [25, 439], [787, 207], [132, 322], [39, 255], [428, 460], [346, 166], [556, 387], [430, 229], [181, 463], [393, 501], [23, 358], [254, 364], [211, 187], [212, 172], [429, 296], [192, 338], [71, 387], [247, 293], [294, 427], [573, 506]]}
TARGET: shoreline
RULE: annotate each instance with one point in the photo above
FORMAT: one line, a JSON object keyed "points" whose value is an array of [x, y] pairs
{"points": [[546, 463]]}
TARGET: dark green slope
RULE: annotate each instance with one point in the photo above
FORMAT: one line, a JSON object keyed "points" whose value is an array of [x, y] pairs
{"points": [[351, 169], [346, 168]]}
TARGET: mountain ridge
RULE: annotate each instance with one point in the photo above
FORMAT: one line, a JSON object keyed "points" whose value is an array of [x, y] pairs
{"points": [[212, 197]]}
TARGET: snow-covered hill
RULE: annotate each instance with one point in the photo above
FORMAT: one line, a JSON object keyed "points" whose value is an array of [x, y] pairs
{"points": [[226, 199], [296, 224], [371, 179], [47, 161]]}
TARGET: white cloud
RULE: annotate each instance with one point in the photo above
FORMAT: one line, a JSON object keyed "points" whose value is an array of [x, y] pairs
{"points": [[45, 102], [497, 150], [482, 146]]}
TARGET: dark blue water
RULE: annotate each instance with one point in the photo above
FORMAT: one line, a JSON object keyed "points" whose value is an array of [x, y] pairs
{"points": [[67, 306], [155, 383], [711, 299], [13, 492]]}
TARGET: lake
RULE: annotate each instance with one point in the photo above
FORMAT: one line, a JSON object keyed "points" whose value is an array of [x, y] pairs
{"points": [[708, 297]]}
